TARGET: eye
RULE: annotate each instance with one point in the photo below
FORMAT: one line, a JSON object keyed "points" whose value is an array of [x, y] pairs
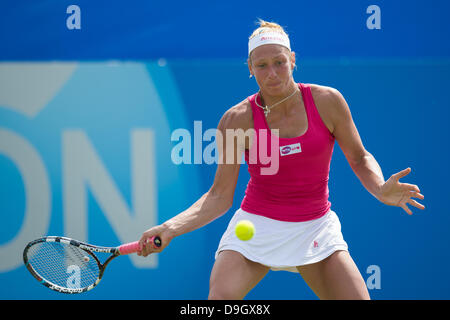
{"points": [[261, 65]]}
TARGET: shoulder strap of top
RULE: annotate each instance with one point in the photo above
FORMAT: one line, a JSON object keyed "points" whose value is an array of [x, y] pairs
{"points": [[259, 122], [314, 118], [307, 98]]}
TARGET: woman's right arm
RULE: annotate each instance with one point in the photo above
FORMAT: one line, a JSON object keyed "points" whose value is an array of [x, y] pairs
{"points": [[217, 200]]}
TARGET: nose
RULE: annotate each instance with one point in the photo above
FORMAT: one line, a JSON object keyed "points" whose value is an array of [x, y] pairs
{"points": [[271, 73]]}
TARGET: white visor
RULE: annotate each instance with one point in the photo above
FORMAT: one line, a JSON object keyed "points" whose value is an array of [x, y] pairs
{"points": [[268, 38]]}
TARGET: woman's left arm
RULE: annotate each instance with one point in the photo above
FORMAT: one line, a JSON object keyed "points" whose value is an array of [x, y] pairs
{"points": [[364, 165]]}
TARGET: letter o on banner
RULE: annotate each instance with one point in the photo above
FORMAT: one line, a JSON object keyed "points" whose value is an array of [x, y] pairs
{"points": [[37, 197]]}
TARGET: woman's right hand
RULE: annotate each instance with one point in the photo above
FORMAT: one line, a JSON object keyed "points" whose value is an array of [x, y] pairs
{"points": [[145, 245]]}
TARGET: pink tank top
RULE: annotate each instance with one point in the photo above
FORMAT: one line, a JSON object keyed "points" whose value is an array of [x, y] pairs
{"points": [[298, 191]]}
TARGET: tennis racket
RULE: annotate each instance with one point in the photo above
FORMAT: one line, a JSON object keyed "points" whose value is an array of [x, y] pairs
{"points": [[70, 266]]}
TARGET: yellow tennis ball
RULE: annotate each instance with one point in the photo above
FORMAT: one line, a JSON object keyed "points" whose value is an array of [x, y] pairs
{"points": [[244, 230]]}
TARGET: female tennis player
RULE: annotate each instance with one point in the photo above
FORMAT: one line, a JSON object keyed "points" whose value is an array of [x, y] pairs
{"points": [[296, 230]]}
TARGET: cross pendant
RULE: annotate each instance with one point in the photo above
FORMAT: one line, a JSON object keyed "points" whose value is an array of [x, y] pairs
{"points": [[266, 111]]}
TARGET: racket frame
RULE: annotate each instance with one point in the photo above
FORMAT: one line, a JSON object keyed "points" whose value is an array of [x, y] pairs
{"points": [[88, 248]]}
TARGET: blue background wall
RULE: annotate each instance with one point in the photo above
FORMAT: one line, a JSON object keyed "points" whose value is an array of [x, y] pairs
{"points": [[74, 103]]}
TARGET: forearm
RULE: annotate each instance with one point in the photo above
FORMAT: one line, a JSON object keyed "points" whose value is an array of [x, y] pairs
{"points": [[206, 209], [369, 173]]}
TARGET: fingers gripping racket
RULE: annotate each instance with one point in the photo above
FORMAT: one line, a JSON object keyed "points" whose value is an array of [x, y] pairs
{"points": [[70, 266]]}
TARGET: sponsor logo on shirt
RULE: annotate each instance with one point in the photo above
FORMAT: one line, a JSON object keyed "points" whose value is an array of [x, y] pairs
{"points": [[290, 149]]}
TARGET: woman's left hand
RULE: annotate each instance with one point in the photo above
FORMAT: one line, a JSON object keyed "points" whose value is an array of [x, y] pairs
{"points": [[395, 193]]}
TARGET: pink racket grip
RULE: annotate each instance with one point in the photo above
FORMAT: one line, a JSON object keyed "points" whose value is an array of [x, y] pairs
{"points": [[133, 247]]}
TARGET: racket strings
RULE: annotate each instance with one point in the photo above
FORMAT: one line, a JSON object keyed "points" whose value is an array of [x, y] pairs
{"points": [[63, 264]]}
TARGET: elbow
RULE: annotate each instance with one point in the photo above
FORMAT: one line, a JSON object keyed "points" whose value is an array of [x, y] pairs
{"points": [[359, 159], [223, 201], [222, 208], [227, 204]]}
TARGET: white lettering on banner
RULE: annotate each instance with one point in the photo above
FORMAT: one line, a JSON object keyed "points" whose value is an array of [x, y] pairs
{"points": [[74, 20], [373, 21], [37, 197], [83, 170]]}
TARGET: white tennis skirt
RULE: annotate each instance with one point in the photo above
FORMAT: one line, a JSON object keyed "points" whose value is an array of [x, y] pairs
{"points": [[283, 245]]}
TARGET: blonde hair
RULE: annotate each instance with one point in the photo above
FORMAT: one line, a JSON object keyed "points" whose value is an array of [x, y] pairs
{"points": [[266, 26]]}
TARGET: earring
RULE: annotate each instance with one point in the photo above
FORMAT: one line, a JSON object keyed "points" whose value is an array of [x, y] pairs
{"points": [[250, 76]]}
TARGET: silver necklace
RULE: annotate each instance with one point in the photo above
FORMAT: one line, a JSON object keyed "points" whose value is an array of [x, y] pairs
{"points": [[268, 108]]}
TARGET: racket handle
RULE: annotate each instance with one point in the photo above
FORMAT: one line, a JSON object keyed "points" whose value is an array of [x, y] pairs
{"points": [[133, 247]]}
